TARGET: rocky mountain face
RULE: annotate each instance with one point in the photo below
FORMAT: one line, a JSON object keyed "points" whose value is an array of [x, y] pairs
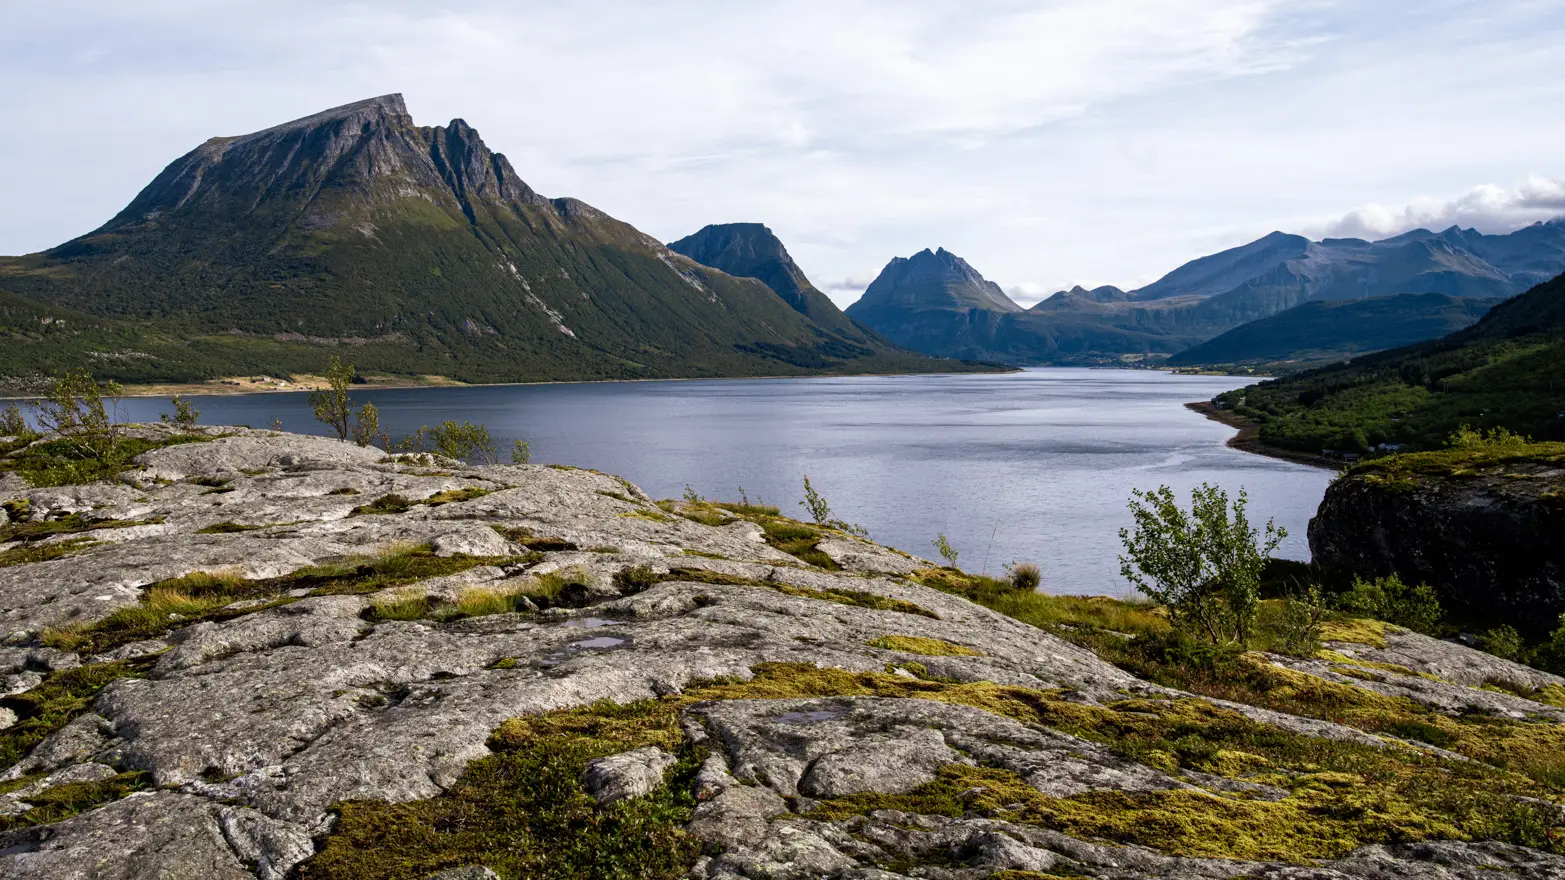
{"points": [[1333, 330], [1482, 527], [1214, 294], [271, 656], [750, 250], [419, 247]]}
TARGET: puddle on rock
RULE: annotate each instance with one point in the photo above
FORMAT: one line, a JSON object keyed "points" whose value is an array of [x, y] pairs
{"points": [[596, 643], [811, 716], [591, 623]]}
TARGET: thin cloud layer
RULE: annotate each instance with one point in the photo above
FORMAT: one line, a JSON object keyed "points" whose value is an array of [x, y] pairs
{"points": [[1487, 208]]}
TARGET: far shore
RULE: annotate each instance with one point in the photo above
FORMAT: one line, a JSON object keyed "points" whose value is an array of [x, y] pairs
{"points": [[237, 385], [1248, 438]]}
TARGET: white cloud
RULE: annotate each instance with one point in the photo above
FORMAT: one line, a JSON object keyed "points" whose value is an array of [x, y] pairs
{"points": [[1487, 208], [1090, 141]]}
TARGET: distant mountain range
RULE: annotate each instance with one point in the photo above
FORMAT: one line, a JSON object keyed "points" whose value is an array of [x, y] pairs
{"points": [[946, 307], [936, 303], [1326, 331], [411, 250]]}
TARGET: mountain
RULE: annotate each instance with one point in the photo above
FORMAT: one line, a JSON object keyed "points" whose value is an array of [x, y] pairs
{"points": [[750, 250], [417, 249], [1214, 294], [1331, 330], [936, 303], [1503, 372]]}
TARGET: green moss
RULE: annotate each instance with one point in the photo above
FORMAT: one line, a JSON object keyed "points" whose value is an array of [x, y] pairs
{"points": [[61, 696], [523, 811], [62, 463], [1356, 630], [30, 553], [1461, 461], [63, 801], [31, 535], [1342, 795], [925, 646], [526, 538], [855, 598], [206, 596], [653, 515], [393, 503], [227, 528]]}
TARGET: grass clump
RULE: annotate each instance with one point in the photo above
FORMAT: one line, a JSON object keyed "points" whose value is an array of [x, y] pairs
{"points": [[63, 801], [797, 540], [30, 553], [921, 645], [51, 705], [410, 604]]}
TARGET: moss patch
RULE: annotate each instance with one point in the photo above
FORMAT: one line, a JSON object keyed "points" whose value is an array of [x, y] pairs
{"points": [[55, 701], [855, 598], [30, 553], [63, 463], [1355, 630], [523, 812], [66, 800], [204, 596], [921, 645], [394, 503], [227, 528]]}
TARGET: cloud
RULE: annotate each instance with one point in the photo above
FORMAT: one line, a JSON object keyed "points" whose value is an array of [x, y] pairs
{"points": [[1090, 141], [1487, 208]]}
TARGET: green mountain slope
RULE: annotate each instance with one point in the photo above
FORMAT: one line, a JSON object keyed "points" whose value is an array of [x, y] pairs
{"points": [[417, 249], [1325, 331], [1507, 370]]}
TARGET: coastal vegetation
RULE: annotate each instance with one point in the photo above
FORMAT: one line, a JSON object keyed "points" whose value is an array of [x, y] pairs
{"points": [[1503, 372]]}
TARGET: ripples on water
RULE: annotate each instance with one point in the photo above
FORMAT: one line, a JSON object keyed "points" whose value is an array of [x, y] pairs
{"points": [[1033, 466]]}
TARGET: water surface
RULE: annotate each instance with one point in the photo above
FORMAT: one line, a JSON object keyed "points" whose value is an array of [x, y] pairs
{"points": [[1033, 466]]}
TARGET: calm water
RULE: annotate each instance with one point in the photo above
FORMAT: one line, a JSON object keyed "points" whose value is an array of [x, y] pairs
{"points": [[1031, 466]]}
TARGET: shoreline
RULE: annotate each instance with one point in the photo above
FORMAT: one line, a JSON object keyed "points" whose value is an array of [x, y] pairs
{"points": [[1247, 438], [305, 382]]}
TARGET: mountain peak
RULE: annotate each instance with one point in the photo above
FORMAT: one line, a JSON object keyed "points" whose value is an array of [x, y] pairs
{"points": [[751, 250], [385, 106], [931, 280]]}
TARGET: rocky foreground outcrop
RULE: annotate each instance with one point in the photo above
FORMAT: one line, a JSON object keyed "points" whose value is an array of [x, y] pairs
{"points": [[392, 663], [1486, 528]]}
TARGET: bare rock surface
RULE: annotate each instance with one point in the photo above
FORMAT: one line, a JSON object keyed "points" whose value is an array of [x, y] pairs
{"points": [[251, 725]]}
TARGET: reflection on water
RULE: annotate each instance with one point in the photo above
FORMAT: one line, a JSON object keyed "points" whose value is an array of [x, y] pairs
{"points": [[1033, 466]]}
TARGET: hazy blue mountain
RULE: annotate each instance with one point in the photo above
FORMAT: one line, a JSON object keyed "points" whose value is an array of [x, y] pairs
{"points": [[1214, 294], [1332, 330], [936, 303]]}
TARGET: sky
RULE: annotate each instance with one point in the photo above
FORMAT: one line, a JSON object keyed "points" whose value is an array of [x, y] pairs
{"points": [[1048, 143]]}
